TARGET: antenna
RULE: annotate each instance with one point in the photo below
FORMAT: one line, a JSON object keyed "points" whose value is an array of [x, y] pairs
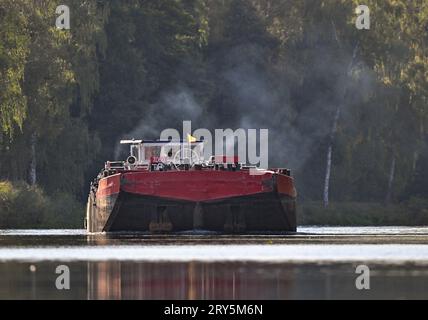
{"points": [[133, 141]]}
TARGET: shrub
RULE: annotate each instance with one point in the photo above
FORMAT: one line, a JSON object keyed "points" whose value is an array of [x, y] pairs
{"points": [[413, 212], [24, 206], [64, 212]]}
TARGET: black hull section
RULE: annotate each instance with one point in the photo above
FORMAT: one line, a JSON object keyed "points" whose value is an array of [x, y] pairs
{"points": [[268, 212]]}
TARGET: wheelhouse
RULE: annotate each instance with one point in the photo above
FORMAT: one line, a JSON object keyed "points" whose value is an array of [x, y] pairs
{"points": [[167, 152]]}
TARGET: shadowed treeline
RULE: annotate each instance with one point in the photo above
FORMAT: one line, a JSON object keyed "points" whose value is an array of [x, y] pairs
{"points": [[299, 68]]}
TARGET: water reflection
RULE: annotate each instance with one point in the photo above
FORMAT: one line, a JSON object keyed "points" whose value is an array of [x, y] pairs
{"points": [[199, 280], [193, 280]]}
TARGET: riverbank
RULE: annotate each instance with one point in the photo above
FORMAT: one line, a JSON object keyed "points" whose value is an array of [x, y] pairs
{"points": [[29, 207], [413, 212]]}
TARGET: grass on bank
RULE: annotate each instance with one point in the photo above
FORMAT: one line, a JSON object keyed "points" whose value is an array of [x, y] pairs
{"points": [[27, 207], [413, 212]]}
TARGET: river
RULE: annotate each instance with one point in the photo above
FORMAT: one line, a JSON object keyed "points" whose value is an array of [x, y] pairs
{"points": [[314, 263]]}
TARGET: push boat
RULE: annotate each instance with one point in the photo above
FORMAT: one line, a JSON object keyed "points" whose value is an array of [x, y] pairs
{"points": [[168, 186]]}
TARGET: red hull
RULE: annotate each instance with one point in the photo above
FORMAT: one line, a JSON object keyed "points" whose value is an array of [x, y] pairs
{"points": [[215, 200], [195, 185]]}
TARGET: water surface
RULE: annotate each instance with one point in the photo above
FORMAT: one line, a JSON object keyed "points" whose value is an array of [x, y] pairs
{"points": [[314, 263]]}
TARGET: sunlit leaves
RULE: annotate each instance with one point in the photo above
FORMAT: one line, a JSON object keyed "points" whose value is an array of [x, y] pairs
{"points": [[13, 54]]}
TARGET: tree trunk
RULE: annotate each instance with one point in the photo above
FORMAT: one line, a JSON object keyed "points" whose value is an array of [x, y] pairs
{"points": [[390, 181], [329, 153], [327, 176], [415, 161], [333, 132], [32, 172]]}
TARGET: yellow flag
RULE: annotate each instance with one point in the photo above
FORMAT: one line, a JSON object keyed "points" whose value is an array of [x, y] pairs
{"points": [[190, 138]]}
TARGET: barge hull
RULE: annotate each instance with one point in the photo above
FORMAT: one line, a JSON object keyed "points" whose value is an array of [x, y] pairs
{"points": [[270, 211]]}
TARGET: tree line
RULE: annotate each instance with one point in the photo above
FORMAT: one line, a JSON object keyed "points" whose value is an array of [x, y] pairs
{"points": [[346, 108]]}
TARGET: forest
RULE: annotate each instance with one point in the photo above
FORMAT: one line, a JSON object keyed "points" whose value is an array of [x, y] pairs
{"points": [[346, 109]]}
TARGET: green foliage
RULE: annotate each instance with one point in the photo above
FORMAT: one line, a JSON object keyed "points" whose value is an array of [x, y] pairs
{"points": [[26, 207], [411, 213], [13, 53], [148, 42], [55, 75], [63, 212]]}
